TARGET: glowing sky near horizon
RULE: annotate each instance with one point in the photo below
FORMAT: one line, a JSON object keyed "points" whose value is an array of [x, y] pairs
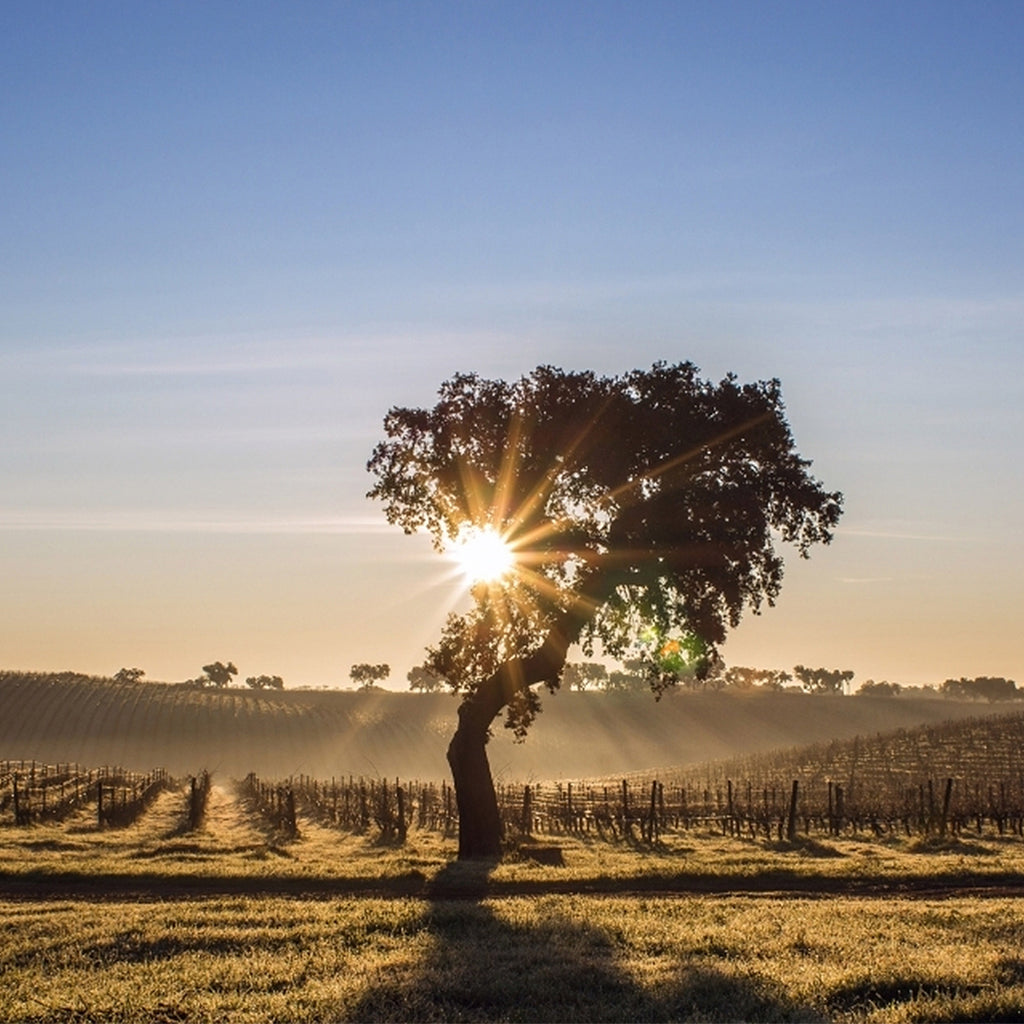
{"points": [[234, 235]]}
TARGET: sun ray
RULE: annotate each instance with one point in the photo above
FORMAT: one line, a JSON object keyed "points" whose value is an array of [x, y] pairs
{"points": [[507, 472], [542, 489], [631, 487]]}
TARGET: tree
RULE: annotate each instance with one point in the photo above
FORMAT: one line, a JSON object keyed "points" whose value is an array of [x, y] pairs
{"points": [[265, 682], [424, 680], [367, 676], [880, 689], [583, 674], [624, 682], [631, 678], [220, 674], [991, 688], [128, 675], [823, 680], [736, 677], [642, 512]]}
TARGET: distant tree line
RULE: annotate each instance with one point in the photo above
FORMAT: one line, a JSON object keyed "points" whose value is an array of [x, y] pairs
{"points": [[990, 688], [634, 677], [981, 688]]}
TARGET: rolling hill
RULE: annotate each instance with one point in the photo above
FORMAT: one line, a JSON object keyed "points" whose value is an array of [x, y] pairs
{"points": [[71, 717]]}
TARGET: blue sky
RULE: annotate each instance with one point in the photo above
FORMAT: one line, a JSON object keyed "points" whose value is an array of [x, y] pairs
{"points": [[234, 235]]}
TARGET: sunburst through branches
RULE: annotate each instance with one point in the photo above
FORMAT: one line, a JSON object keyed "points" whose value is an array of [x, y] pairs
{"points": [[483, 555]]}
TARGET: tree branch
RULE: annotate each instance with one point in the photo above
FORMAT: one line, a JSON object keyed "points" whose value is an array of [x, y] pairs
{"points": [[544, 664]]}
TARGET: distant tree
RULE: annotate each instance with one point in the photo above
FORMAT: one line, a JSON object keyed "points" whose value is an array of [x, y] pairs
{"points": [[623, 682], [220, 674], [641, 510], [572, 677], [128, 675], [737, 677], [823, 680], [774, 679], [582, 675], [990, 688], [926, 690], [366, 676], [880, 689], [635, 676], [265, 682], [423, 680]]}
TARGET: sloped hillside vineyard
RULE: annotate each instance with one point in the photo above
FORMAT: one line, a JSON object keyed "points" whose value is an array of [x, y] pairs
{"points": [[324, 733], [949, 778]]}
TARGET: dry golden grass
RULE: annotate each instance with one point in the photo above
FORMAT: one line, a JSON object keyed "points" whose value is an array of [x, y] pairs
{"points": [[514, 959], [332, 926]]}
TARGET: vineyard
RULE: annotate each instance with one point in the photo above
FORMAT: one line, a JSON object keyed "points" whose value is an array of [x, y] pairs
{"points": [[951, 779], [934, 780], [232, 731], [32, 793], [939, 779], [340, 894]]}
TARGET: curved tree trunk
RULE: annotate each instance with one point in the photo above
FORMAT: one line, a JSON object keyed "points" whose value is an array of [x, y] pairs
{"points": [[480, 830], [480, 827]]}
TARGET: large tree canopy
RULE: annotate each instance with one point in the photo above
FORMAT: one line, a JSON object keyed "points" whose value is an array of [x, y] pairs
{"points": [[642, 512]]}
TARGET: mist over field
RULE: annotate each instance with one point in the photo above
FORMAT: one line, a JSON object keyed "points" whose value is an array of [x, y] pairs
{"points": [[385, 734]]}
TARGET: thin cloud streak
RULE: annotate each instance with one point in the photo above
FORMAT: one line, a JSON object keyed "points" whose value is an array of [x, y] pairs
{"points": [[901, 535], [217, 356], [168, 522]]}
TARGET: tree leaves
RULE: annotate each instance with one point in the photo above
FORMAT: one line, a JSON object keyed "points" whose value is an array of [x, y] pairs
{"points": [[648, 501]]}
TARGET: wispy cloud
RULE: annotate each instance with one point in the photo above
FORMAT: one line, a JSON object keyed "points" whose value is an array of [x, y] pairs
{"points": [[910, 535], [164, 521], [268, 355]]}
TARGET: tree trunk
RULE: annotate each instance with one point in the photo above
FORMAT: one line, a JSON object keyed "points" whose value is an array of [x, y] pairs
{"points": [[480, 830]]}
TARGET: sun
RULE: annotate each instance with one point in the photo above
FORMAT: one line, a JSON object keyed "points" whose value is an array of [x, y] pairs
{"points": [[483, 555]]}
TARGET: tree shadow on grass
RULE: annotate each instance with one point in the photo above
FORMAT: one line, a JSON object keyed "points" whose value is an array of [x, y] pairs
{"points": [[542, 960]]}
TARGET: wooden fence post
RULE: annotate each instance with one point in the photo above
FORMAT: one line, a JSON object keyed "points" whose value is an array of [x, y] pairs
{"points": [[526, 822], [402, 827], [946, 797], [791, 821]]}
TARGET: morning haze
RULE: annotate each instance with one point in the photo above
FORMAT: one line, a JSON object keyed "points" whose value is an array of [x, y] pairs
{"points": [[221, 272], [636, 390]]}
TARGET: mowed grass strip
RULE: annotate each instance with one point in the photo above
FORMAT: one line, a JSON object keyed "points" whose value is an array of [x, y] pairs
{"points": [[565, 958]]}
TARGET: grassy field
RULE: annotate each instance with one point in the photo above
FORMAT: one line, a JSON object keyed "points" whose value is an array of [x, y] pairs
{"points": [[557, 957], [235, 923]]}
